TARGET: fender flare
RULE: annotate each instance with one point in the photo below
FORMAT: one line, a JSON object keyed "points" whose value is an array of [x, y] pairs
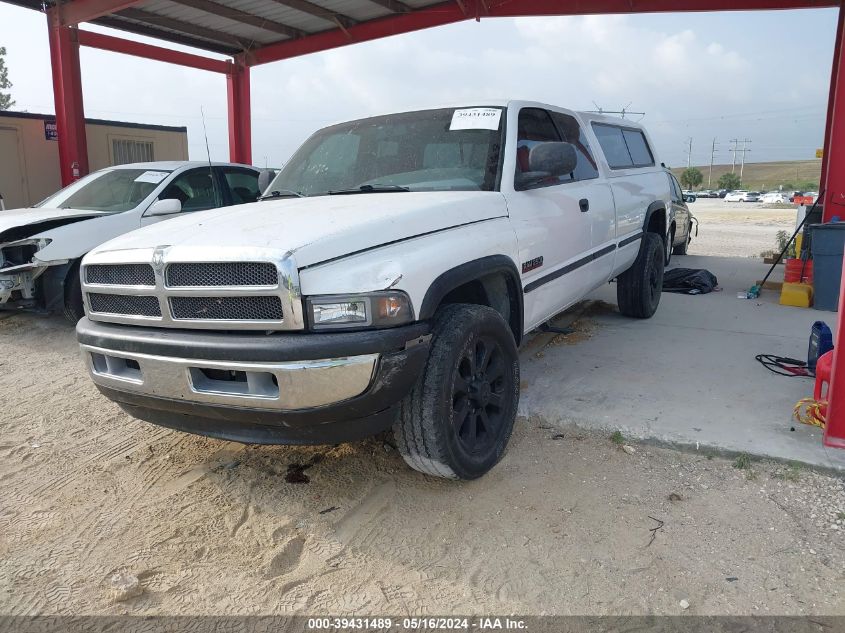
{"points": [[472, 271], [655, 207]]}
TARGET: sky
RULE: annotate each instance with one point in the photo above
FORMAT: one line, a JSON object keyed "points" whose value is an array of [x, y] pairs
{"points": [[762, 76]]}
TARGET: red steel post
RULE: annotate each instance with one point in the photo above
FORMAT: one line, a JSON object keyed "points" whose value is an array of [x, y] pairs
{"points": [[67, 94], [834, 204], [240, 117]]}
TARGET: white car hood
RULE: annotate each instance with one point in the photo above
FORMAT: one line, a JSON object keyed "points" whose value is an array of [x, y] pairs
{"points": [[319, 228], [17, 218]]}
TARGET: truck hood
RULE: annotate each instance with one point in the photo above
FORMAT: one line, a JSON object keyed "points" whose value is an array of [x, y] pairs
{"points": [[319, 228], [16, 224]]}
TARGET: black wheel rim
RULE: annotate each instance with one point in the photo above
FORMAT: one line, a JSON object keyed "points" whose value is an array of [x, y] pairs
{"points": [[480, 397]]}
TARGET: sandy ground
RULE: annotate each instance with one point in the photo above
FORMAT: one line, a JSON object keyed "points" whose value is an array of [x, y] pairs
{"points": [[567, 523], [735, 229]]}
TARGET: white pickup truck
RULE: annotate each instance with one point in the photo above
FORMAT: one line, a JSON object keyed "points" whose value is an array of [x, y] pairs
{"points": [[385, 280]]}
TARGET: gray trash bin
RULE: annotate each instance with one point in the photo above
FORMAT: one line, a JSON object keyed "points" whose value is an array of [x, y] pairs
{"points": [[828, 244]]}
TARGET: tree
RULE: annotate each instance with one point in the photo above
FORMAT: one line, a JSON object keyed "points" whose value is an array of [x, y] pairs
{"points": [[729, 181], [6, 101], [691, 178]]}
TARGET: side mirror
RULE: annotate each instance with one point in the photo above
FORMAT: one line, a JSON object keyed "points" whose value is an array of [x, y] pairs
{"points": [[168, 206], [265, 177], [552, 159]]}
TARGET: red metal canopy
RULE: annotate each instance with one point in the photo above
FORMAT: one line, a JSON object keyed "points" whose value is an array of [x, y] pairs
{"points": [[256, 32]]}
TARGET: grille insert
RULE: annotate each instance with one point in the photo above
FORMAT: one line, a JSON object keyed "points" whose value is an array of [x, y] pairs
{"points": [[135, 305], [120, 274], [222, 274], [257, 308]]}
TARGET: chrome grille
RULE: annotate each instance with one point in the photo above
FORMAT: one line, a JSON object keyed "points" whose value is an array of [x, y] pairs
{"points": [[121, 275], [182, 275], [139, 305], [246, 308]]}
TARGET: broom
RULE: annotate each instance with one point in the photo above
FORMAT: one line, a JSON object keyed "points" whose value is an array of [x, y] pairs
{"points": [[755, 290]]}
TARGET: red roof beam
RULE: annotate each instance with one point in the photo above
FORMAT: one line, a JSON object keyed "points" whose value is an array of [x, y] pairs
{"points": [[138, 49], [77, 11], [437, 15]]}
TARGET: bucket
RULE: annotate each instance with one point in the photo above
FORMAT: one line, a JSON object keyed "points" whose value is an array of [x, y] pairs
{"points": [[798, 271]]}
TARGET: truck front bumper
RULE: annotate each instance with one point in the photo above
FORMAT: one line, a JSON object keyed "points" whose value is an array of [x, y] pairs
{"points": [[286, 388]]}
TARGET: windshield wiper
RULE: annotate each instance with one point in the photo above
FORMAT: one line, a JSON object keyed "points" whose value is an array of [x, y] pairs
{"points": [[281, 193], [376, 188]]}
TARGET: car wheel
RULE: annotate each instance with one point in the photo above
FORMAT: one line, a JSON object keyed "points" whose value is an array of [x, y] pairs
{"points": [[73, 309], [681, 249], [638, 289], [458, 418]]}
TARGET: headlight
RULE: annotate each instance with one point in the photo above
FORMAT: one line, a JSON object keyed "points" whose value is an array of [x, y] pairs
{"points": [[42, 243], [377, 309]]}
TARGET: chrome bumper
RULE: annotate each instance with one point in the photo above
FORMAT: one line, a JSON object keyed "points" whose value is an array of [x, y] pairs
{"points": [[283, 386]]}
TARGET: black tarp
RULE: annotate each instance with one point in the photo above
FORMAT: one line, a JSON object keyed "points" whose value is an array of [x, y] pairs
{"points": [[689, 281]]}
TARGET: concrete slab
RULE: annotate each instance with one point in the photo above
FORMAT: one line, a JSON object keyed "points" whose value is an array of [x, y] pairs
{"points": [[687, 375]]}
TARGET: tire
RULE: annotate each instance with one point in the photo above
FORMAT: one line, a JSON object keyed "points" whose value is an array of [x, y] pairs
{"points": [[73, 309], [681, 249], [638, 288], [438, 425]]}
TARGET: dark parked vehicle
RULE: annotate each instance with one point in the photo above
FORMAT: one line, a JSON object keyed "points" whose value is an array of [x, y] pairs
{"points": [[682, 220]]}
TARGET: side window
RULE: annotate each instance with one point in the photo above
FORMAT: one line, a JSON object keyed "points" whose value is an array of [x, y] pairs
{"points": [[243, 185], [195, 189], [613, 145], [637, 146], [534, 126], [623, 147], [571, 132]]}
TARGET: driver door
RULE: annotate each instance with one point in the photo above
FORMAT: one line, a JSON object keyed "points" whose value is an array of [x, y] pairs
{"points": [[553, 224]]}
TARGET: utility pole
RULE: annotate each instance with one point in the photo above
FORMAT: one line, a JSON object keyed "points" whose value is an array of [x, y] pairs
{"points": [[742, 165], [689, 152], [712, 154], [733, 150]]}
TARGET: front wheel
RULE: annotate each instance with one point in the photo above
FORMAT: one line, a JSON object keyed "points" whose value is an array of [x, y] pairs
{"points": [[638, 289], [458, 418]]}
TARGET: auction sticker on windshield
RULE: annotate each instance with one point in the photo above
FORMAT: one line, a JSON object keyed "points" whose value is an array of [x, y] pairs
{"points": [[154, 177], [476, 119]]}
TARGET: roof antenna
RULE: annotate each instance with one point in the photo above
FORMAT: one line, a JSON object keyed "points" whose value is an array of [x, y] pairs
{"points": [[218, 199]]}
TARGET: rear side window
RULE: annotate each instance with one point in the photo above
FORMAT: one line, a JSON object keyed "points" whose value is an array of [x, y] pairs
{"points": [[623, 147], [637, 146]]}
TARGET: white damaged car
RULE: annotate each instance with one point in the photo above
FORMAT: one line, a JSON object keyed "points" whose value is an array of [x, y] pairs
{"points": [[41, 246]]}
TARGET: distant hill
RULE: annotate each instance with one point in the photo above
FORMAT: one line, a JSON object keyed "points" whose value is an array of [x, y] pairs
{"points": [[766, 176]]}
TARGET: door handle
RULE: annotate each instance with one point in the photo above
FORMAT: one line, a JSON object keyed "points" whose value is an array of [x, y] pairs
{"points": [[584, 204]]}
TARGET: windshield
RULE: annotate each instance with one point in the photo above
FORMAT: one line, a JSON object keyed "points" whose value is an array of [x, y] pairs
{"points": [[428, 150], [112, 191]]}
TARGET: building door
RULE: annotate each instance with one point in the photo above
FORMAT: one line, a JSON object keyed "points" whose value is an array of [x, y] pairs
{"points": [[12, 184]]}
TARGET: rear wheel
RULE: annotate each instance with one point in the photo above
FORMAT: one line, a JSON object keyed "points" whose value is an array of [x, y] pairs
{"points": [[638, 289], [457, 420], [73, 309]]}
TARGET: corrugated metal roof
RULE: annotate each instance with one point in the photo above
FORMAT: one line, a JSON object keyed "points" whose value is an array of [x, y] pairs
{"points": [[232, 26]]}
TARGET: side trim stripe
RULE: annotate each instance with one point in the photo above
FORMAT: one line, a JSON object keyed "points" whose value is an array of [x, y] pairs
{"points": [[560, 272], [629, 240]]}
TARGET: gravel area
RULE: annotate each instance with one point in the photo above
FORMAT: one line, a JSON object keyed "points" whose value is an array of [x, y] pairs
{"points": [[103, 514], [735, 229]]}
